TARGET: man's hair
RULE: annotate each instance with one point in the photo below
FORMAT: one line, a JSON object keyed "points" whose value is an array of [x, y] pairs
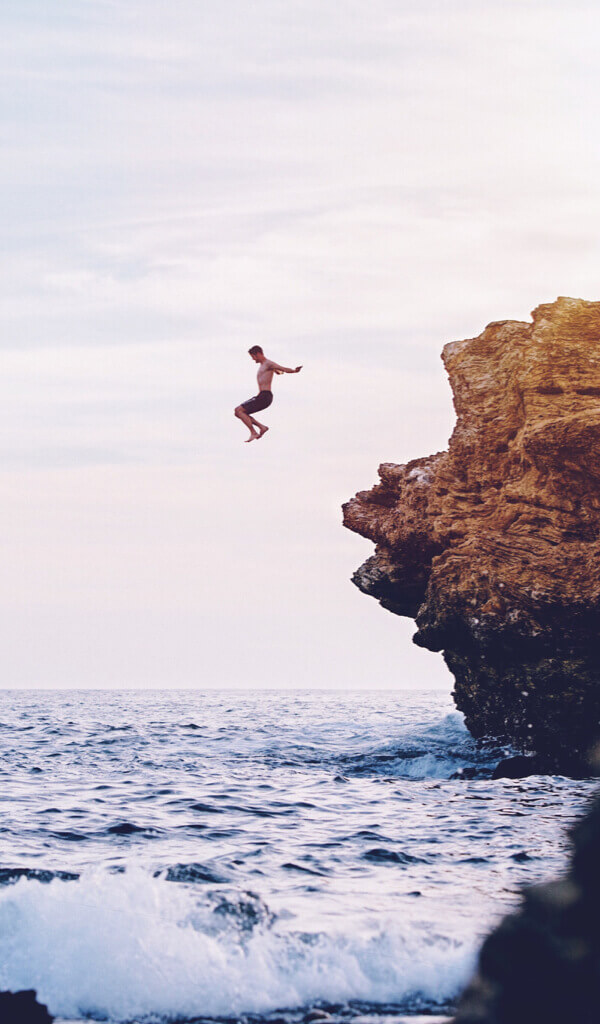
{"points": [[255, 350]]}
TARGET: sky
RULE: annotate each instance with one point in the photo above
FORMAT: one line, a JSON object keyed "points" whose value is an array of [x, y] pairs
{"points": [[349, 185]]}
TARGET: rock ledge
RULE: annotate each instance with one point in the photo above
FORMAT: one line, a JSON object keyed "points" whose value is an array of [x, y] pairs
{"points": [[494, 545]]}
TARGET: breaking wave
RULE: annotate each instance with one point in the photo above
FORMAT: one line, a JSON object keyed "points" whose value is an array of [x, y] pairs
{"points": [[132, 947]]}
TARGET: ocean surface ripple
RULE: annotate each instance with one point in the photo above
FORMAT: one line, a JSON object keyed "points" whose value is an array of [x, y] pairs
{"points": [[203, 855]]}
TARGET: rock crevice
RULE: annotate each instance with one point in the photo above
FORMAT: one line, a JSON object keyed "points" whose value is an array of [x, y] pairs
{"points": [[493, 546]]}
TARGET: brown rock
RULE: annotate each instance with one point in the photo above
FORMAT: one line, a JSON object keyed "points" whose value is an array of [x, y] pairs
{"points": [[494, 546]]}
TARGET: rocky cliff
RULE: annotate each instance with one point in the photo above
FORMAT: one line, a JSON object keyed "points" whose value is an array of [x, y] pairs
{"points": [[494, 545]]}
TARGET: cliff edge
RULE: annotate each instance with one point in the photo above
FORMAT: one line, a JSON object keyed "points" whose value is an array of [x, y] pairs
{"points": [[494, 545]]}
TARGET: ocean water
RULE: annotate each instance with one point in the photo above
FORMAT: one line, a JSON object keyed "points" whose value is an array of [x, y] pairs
{"points": [[189, 855]]}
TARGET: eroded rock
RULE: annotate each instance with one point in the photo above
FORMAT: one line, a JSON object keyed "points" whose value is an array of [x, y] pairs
{"points": [[493, 546]]}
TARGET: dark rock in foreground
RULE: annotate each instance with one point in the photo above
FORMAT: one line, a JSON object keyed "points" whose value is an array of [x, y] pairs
{"points": [[543, 963], [22, 1008], [522, 765], [494, 545]]}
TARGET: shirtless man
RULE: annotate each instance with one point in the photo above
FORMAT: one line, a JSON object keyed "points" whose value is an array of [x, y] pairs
{"points": [[266, 369]]}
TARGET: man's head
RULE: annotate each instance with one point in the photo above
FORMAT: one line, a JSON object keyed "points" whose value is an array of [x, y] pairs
{"points": [[257, 353]]}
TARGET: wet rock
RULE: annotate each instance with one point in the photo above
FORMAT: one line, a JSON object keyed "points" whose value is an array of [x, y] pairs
{"points": [[493, 546], [543, 963], [243, 911], [518, 767], [470, 772], [22, 1008]]}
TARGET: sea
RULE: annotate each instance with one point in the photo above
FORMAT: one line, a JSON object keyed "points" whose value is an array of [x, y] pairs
{"points": [[277, 857]]}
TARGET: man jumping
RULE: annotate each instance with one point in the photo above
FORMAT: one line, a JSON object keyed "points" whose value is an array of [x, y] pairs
{"points": [[266, 369]]}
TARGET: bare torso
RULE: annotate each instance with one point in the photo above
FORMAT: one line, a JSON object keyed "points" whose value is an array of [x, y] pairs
{"points": [[265, 375]]}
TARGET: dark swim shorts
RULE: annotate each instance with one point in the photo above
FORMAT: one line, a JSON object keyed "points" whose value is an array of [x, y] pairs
{"points": [[260, 401]]}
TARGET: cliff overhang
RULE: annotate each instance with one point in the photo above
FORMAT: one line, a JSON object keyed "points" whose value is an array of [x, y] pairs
{"points": [[493, 546]]}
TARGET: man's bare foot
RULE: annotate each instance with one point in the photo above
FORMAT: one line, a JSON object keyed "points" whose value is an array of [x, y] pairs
{"points": [[262, 432], [253, 437]]}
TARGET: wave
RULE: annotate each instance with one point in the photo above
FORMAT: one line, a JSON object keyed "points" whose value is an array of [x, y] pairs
{"points": [[8, 876], [132, 947], [443, 750]]}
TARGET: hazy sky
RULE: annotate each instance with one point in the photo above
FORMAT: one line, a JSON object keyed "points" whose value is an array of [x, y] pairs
{"points": [[350, 185]]}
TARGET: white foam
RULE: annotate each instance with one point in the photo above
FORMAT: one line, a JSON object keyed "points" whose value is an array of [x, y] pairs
{"points": [[132, 947], [450, 728], [437, 751]]}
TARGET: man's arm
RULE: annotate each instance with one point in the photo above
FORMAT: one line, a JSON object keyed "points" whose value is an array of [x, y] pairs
{"points": [[282, 369]]}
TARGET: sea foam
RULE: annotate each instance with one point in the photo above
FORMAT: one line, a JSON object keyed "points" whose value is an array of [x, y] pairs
{"points": [[131, 946]]}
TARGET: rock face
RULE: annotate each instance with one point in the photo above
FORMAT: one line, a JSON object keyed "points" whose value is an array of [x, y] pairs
{"points": [[494, 545], [543, 963], [22, 1008]]}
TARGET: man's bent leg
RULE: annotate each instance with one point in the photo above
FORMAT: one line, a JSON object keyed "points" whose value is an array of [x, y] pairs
{"points": [[262, 428], [242, 415]]}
